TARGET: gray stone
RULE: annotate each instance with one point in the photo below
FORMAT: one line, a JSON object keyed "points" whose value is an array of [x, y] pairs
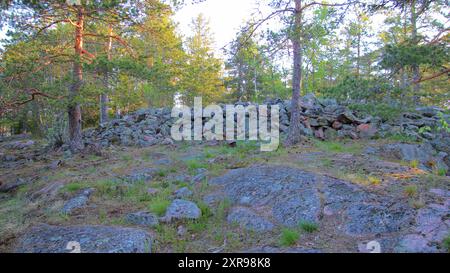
{"points": [[77, 202], [414, 243], [440, 192], [145, 175], [423, 153], [376, 219], [92, 239], [293, 195], [11, 186], [142, 218], [183, 192], [181, 209], [152, 191], [181, 230], [429, 111], [249, 220]]}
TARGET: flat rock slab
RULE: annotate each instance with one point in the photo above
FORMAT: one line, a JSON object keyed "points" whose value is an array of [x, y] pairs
{"points": [[289, 195], [249, 220], [92, 239]]}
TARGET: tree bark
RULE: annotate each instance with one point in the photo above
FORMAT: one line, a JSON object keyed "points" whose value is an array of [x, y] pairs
{"points": [[74, 109], [415, 67], [104, 97], [294, 134]]}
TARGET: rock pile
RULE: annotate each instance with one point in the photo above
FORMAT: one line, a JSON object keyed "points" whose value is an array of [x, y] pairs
{"points": [[321, 118]]}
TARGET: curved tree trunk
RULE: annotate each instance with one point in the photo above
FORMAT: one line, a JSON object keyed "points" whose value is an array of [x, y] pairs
{"points": [[294, 134], [74, 109]]}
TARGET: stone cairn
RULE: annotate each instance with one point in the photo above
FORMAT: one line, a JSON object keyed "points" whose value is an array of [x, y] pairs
{"points": [[321, 118]]}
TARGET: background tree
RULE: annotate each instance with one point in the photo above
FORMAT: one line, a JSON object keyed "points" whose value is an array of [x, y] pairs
{"points": [[203, 71]]}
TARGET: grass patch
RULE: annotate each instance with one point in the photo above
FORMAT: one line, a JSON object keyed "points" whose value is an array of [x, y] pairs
{"points": [[159, 206], [309, 227], [446, 243], [126, 157], [441, 172], [289, 237], [337, 147], [414, 163], [194, 164], [410, 191], [73, 187]]}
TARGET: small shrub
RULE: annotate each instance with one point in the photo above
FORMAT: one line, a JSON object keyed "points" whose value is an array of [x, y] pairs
{"points": [[441, 172], [414, 163], [410, 191], [206, 211], [289, 237], [307, 226], [374, 180]]}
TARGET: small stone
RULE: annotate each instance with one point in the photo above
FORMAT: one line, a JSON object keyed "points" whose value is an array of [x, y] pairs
{"points": [[167, 141], [142, 218], [55, 164], [198, 178], [152, 191], [366, 131], [77, 202], [181, 231], [336, 125], [319, 134], [183, 192], [181, 209]]}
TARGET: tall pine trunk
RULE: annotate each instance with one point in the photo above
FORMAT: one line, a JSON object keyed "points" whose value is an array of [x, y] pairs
{"points": [[415, 40], [104, 97], [74, 109], [294, 134]]}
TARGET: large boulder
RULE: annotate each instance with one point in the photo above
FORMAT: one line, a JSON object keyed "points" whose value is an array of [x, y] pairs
{"points": [[424, 154], [91, 239]]}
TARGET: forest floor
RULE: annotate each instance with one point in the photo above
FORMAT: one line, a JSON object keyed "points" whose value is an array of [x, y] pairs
{"points": [[344, 171]]}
